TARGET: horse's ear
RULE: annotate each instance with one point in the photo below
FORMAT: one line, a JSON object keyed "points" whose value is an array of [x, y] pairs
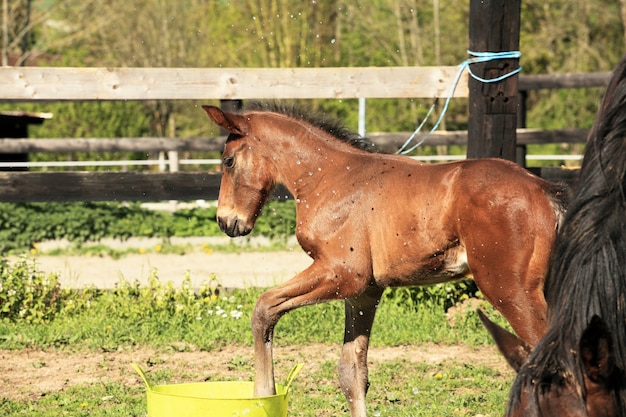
{"points": [[514, 349], [234, 123], [596, 351]]}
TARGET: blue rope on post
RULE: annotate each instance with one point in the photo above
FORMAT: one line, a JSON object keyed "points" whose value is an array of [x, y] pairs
{"points": [[477, 57]]}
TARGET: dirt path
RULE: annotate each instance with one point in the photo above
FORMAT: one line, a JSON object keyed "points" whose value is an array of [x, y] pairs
{"points": [[233, 270]]}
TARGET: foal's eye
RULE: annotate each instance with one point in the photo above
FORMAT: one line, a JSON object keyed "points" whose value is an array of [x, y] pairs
{"points": [[229, 161]]}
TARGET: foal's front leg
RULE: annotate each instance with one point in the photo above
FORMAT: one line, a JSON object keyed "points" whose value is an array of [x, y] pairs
{"points": [[316, 284], [353, 375]]}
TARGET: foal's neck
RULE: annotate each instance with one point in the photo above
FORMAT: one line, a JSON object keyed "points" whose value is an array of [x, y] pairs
{"points": [[310, 156]]}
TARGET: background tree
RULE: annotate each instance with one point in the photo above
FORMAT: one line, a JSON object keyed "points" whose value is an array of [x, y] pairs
{"points": [[557, 36]]}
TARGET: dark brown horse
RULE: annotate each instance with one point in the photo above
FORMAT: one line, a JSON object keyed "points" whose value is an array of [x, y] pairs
{"points": [[371, 220], [578, 367]]}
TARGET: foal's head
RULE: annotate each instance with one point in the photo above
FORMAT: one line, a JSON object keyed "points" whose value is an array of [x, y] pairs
{"points": [[246, 181], [556, 381], [249, 167]]}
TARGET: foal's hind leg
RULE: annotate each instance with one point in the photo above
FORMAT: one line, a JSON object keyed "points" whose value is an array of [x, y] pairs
{"points": [[360, 312], [512, 281]]}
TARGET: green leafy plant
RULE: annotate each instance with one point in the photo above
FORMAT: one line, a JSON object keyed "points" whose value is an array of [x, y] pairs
{"points": [[23, 225], [26, 294], [443, 295]]}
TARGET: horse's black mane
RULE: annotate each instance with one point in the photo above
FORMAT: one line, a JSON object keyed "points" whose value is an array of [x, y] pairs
{"points": [[328, 124], [587, 274]]}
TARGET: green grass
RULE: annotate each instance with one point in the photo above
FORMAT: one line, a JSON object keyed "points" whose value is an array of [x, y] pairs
{"points": [[109, 324], [105, 399], [35, 313], [158, 315]]}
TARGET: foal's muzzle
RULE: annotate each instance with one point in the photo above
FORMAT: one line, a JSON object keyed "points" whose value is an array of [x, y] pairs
{"points": [[233, 227]]}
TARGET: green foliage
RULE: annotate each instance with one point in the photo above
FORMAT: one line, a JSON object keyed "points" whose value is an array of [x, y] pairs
{"points": [[108, 119], [277, 220], [438, 296], [23, 225], [195, 222], [28, 295]]}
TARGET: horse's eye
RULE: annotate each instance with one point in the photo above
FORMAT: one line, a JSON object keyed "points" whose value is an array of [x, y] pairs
{"points": [[229, 161]]}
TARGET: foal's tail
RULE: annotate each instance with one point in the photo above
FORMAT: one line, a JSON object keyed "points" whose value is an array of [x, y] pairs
{"points": [[558, 194], [588, 260]]}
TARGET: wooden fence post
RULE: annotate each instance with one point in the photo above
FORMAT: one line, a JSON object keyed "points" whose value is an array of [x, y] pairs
{"points": [[494, 27]]}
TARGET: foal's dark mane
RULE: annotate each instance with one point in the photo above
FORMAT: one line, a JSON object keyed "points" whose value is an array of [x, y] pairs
{"points": [[587, 274], [331, 125]]}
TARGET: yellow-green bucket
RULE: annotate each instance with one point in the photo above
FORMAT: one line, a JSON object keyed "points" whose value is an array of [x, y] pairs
{"points": [[215, 399]]}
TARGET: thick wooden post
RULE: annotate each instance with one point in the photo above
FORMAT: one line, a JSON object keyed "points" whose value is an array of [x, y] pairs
{"points": [[494, 27]]}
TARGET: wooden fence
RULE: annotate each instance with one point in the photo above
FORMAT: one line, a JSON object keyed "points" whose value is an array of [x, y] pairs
{"points": [[58, 84]]}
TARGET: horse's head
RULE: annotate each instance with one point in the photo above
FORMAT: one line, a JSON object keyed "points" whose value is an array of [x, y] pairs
{"points": [[247, 178], [548, 387]]}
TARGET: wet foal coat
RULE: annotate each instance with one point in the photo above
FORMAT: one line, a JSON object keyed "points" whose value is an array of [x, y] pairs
{"points": [[373, 220]]}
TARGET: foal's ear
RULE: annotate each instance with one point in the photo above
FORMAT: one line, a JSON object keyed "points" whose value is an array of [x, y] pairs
{"points": [[596, 351], [234, 123], [514, 349]]}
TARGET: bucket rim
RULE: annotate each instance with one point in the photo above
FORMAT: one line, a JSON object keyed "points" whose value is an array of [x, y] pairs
{"points": [[153, 389]]}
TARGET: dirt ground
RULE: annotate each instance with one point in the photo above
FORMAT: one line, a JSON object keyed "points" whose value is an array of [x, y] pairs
{"points": [[31, 374]]}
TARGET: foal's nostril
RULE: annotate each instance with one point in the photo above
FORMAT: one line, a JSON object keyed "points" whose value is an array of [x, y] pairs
{"points": [[233, 227], [228, 226], [222, 224]]}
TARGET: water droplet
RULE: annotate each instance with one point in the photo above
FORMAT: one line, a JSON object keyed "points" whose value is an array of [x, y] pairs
{"points": [[360, 313]]}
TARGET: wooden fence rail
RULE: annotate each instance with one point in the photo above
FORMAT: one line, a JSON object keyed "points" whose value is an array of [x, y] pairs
{"points": [[62, 84], [138, 186], [107, 186], [387, 142], [150, 186]]}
